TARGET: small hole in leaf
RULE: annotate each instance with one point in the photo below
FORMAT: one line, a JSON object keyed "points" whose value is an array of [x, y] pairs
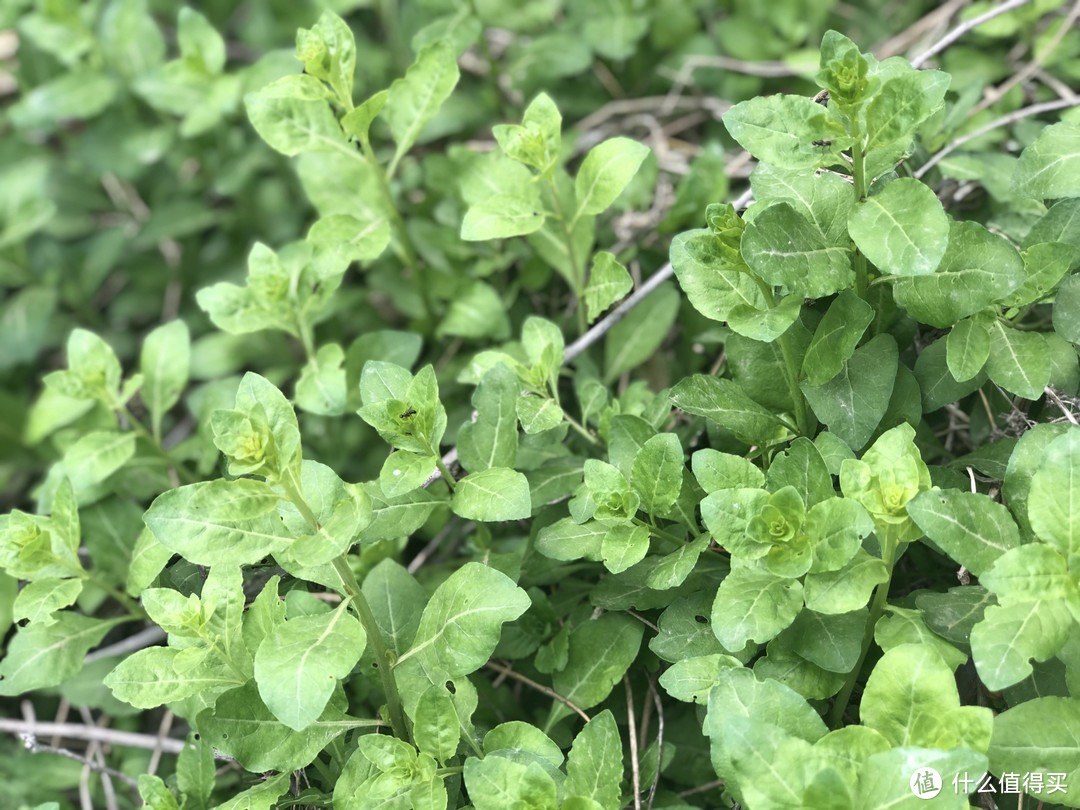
{"points": [[197, 738], [450, 688], [224, 735], [701, 620]]}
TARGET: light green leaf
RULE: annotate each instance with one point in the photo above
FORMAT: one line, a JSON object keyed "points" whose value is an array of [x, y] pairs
{"points": [[43, 655], [38, 600], [165, 362], [635, 338], [298, 666], [1050, 166], [461, 624], [713, 278], [492, 439], [219, 522], [754, 605], [497, 493], [690, 679], [1053, 502], [830, 641], [911, 699], [149, 678], [538, 413], [903, 230], [824, 199], [1041, 737], [847, 588], [96, 456], [903, 626], [601, 651], [415, 99], [477, 311], [1008, 637], [978, 268], [885, 778], [966, 348], [239, 725], [786, 250], [768, 324], [724, 402], [972, 528], [349, 238], [608, 283], [782, 130], [404, 471], [293, 125], [606, 171], [715, 470], [321, 387], [80, 94], [1067, 308], [1018, 361], [200, 43], [328, 51], [567, 540], [594, 767], [501, 217], [657, 472], [853, 402], [1045, 264], [436, 728], [624, 545]]}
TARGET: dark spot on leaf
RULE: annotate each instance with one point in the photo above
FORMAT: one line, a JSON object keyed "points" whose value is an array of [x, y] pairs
{"points": [[450, 688], [701, 620]]}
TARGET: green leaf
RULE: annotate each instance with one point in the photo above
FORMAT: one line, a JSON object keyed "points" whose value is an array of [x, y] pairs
{"points": [[201, 46], [96, 456], [348, 238], [885, 778], [902, 626], [690, 679], [830, 641], [606, 171], [404, 471], [1067, 309], [608, 283], [657, 472], [902, 103], [1008, 637], [635, 338], [461, 624], [38, 600], [970, 527], [1018, 361], [594, 767], [1045, 264], [492, 439], [497, 782], [397, 600], [624, 545], [782, 130], [978, 268], [936, 382], [725, 403], [802, 467], [239, 725], [911, 699], [1053, 502], [601, 651], [836, 528], [436, 726], [150, 678], [853, 402], [501, 217], [537, 141], [567, 540], [768, 324], [497, 493], [415, 99], [321, 387], [81, 94], [786, 250], [292, 124], [165, 362], [42, 655], [298, 666], [219, 522], [477, 311], [715, 470], [844, 589], [1050, 166], [1041, 737], [824, 199], [328, 51], [754, 605], [713, 278], [903, 230], [967, 347]]}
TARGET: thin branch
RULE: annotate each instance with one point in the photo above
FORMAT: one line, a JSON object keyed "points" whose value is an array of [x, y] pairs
{"points": [[539, 687], [1005, 120], [659, 740], [994, 94], [78, 731], [635, 765], [965, 27], [144, 638], [34, 747], [922, 27], [1052, 395]]}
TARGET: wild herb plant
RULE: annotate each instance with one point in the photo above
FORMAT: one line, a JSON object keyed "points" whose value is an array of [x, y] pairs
{"points": [[770, 581]]}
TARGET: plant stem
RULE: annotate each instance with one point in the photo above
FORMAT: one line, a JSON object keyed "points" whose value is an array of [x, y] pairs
{"points": [[155, 443], [858, 175], [575, 271], [378, 646], [656, 530], [877, 607], [363, 611], [581, 429], [792, 375], [441, 465]]}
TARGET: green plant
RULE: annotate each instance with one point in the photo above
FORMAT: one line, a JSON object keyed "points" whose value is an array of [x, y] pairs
{"points": [[639, 575]]}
